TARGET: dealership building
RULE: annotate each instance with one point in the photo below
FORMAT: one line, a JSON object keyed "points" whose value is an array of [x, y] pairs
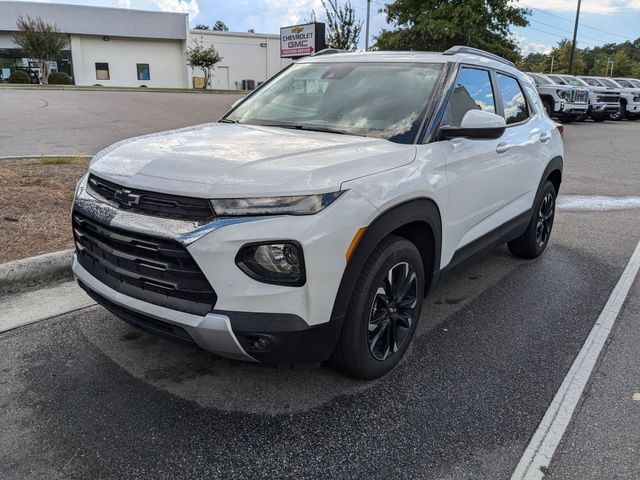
{"points": [[124, 47]]}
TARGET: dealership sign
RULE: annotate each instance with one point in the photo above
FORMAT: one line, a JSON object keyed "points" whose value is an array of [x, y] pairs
{"points": [[301, 40]]}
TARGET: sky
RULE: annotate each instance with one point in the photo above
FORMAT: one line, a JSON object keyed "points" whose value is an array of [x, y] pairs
{"points": [[601, 21]]}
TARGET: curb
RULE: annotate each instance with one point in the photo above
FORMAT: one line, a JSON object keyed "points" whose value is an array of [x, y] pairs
{"points": [[34, 271], [37, 157]]}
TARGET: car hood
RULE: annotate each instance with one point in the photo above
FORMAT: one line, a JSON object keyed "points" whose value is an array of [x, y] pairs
{"points": [[223, 160]]}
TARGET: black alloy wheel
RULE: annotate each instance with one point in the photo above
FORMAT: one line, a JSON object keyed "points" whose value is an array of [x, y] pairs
{"points": [[545, 219], [392, 311]]}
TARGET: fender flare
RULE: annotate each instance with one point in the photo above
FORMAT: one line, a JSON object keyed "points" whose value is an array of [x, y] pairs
{"points": [[417, 210], [556, 163]]}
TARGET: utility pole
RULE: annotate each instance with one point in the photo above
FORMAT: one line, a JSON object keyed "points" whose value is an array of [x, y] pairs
{"points": [[575, 34], [366, 38], [552, 59]]}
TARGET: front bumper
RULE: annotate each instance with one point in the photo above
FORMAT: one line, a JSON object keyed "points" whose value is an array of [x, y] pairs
{"points": [[294, 322], [604, 108], [211, 332], [574, 108]]}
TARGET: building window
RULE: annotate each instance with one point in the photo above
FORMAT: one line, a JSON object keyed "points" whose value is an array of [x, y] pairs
{"points": [[143, 71], [102, 71]]}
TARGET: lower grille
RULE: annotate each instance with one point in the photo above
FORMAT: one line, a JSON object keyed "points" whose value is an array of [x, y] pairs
{"points": [[608, 98], [141, 321], [151, 269]]}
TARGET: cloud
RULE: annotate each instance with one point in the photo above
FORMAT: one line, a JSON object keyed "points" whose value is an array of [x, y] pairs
{"points": [[183, 6], [527, 46], [588, 6]]}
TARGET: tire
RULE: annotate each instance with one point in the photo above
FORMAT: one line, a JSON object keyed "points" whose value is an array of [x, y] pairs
{"points": [[598, 118], [548, 106], [618, 116], [579, 117], [365, 349], [633, 117], [566, 118], [536, 238]]}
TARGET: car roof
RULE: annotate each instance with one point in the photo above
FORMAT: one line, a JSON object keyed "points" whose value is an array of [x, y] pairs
{"points": [[410, 57]]}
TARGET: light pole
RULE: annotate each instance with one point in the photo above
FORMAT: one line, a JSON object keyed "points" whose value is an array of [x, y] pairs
{"points": [[366, 39], [575, 34]]}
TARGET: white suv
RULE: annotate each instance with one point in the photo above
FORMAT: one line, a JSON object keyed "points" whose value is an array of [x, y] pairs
{"points": [[309, 223]]}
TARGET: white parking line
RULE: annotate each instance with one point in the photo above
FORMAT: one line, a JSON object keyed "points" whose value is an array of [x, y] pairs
{"points": [[545, 440], [596, 203]]}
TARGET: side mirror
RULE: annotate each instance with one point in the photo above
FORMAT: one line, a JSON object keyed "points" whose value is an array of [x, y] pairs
{"points": [[233, 105], [476, 124]]}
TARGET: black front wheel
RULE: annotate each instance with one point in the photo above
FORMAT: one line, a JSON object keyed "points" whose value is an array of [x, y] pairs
{"points": [[536, 238], [383, 312]]}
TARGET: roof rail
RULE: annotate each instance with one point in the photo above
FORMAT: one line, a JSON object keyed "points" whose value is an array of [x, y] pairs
{"points": [[477, 51], [328, 51]]}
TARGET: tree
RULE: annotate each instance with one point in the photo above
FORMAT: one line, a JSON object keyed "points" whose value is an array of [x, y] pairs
{"points": [[40, 41], [204, 58], [561, 54], [439, 24], [251, 30], [201, 26], [343, 29], [220, 26]]}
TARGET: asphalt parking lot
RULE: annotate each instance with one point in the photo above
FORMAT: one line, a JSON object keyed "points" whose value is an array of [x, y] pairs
{"points": [[67, 122], [84, 395]]}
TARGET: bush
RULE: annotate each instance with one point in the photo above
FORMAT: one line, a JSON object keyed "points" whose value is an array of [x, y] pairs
{"points": [[19, 76], [59, 78]]}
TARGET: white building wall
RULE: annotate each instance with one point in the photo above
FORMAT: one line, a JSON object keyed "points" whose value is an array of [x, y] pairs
{"points": [[243, 57], [165, 59]]}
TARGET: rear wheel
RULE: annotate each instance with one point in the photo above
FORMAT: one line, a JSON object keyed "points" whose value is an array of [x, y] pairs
{"points": [[383, 312], [536, 238]]}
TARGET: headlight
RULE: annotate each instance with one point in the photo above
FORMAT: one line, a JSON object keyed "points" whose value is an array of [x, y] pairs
{"points": [[565, 94], [294, 205], [279, 263]]}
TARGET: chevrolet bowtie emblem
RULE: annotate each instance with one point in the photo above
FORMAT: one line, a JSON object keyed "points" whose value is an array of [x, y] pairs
{"points": [[126, 198]]}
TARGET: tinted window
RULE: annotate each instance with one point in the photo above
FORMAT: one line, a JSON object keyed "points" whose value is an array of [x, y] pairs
{"points": [[515, 104], [143, 71], [472, 91]]}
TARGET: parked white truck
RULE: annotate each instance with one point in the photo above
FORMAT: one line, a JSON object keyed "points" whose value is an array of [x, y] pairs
{"points": [[629, 96], [603, 102], [564, 102]]}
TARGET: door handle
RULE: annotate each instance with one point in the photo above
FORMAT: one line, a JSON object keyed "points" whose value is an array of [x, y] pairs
{"points": [[503, 147], [545, 137]]}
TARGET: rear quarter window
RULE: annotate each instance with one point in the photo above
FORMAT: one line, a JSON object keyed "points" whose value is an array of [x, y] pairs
{"points": [[514, 101]]}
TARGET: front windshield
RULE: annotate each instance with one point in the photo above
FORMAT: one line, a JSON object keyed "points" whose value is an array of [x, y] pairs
{"points": [[558, 80], [624, 83], [384, 100], [540, 79], [576, 82], [593, 82], [609, 83]]}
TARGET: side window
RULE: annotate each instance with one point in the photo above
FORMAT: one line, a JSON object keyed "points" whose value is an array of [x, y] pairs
{"points": [[472, 91], [515, 103]]}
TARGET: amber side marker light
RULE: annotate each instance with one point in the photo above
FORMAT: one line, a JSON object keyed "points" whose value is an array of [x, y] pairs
{"points": [[354, 243]]}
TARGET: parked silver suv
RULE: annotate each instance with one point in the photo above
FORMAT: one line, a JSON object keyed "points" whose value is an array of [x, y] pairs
{"points": [[564, 102]]}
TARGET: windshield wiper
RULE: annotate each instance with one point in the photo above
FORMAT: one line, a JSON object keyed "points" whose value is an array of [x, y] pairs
{"points": [[226, 120], [310, 128]]}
